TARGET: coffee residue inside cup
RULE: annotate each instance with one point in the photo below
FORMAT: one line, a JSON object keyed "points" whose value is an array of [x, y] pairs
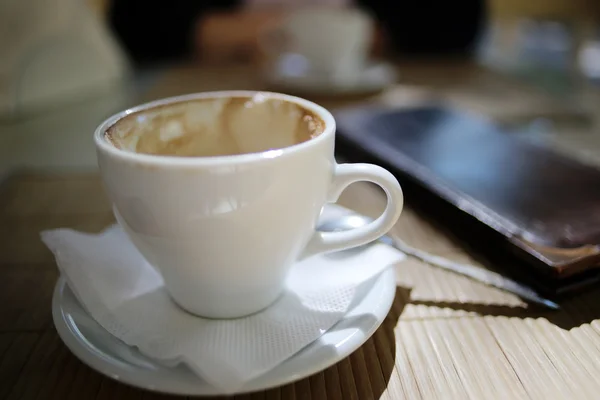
{"points": [[215, 127]]}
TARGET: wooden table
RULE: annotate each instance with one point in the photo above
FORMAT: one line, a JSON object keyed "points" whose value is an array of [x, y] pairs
{"points": [[445, 337]]}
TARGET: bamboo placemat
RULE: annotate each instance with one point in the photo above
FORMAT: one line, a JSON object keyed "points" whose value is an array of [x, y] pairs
{"points": [[445, 337]]}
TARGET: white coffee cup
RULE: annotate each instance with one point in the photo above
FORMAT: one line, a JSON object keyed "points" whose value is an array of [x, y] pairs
{"points": [[332, 41], [224, 231]]}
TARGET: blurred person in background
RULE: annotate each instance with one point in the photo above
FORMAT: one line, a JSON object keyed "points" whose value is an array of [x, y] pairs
{"points": [[154, 31]]}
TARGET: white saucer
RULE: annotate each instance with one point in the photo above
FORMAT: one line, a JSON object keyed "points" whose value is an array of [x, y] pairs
{"points": [[375, 77], [111, 357]]}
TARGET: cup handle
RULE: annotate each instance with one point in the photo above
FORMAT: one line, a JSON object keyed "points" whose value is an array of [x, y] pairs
{"points": [[346, 174]]}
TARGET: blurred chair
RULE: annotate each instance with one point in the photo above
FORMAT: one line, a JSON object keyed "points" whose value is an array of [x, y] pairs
{"points": [[54, 51]]}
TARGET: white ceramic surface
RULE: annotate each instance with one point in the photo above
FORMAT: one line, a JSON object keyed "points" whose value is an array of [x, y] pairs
{"points": [[290, 75], [111, 357], [224, 231], [331, 39]]}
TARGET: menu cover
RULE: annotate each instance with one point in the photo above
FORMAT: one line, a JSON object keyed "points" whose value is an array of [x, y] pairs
{"points": [[512, 195]]}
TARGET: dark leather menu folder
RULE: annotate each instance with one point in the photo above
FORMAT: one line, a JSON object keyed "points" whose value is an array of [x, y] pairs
{"points": [[505, 193]]}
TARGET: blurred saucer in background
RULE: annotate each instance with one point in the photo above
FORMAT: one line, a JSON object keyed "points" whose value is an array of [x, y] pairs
{"points": [[292, 73]]}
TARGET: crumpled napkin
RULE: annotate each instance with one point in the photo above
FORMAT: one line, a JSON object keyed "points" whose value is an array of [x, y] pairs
{"points": [[127, 297]]}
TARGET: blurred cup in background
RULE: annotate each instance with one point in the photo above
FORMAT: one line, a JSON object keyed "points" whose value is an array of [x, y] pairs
{"points": [[332, 42]]}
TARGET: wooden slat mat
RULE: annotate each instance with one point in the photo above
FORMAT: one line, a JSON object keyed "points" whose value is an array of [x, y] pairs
{"points": [[445, 338]]}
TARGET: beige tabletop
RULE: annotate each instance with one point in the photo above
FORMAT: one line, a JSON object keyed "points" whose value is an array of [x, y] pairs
{"points": [[446, 337]]}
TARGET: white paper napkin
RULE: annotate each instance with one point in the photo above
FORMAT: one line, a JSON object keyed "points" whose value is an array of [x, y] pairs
{"points": [[125, 295]]}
